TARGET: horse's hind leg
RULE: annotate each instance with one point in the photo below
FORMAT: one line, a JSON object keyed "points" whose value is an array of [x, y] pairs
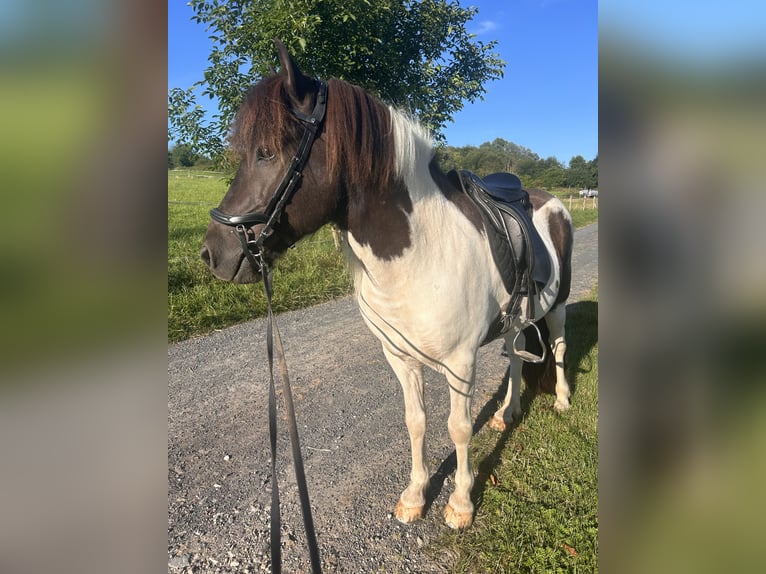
{"points": [[502, 418], [556, 321], [410, 374]]}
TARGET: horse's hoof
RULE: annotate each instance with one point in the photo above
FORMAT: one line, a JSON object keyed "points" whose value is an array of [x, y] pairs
{"points": [[497, 424], [561, 405], [457, 520], [407, 514]]}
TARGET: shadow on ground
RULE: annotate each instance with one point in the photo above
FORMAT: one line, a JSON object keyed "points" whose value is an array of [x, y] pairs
{"points": [[581, 335]]}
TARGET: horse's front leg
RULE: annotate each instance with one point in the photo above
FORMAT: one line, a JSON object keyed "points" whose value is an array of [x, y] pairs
{"points": [[459, 510], [410, 374]]}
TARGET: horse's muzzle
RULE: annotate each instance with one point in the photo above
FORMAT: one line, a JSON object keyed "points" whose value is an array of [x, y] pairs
{"points": [[233, 267]]}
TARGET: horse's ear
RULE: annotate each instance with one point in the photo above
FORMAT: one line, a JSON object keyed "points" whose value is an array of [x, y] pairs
{"points": [[298, 85]]}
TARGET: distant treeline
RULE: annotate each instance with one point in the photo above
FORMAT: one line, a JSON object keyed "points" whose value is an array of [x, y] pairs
{"points": [[502, 155], [489, 157], [183, 155]]}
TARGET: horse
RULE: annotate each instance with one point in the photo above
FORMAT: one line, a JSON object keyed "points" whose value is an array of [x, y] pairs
{"points": [[417, 245]]}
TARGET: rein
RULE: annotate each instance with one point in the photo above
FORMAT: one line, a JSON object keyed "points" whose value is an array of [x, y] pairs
{"points": [[252, 247], [273, 337]]}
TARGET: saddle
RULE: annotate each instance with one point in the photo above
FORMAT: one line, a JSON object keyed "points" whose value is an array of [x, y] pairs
{"points": [[517, 248]]}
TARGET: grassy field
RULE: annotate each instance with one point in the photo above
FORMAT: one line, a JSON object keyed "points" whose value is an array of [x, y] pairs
{"points": [[582, 217], [536, 489], [311, 273]]}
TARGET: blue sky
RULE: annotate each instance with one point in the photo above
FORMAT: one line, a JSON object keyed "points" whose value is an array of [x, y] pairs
{"points": [[547, 101]]}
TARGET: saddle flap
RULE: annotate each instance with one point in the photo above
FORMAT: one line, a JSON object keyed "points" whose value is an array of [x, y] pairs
{"points": [[517, 247]]}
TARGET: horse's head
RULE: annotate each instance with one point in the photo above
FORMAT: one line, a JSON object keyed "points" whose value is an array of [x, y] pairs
{"points": [[282, 189]]}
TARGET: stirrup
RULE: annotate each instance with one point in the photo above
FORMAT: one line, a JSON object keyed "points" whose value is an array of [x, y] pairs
{"points": [[524, 354]]}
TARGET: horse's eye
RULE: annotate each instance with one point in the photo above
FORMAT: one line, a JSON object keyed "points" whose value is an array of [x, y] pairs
{"points": [[264, 154]]}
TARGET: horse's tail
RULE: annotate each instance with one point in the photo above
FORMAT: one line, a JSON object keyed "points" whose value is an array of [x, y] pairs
{"points": [[540, 376]]}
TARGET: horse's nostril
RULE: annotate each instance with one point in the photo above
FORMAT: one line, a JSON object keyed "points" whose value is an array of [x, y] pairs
{"points": [[205, 256]]}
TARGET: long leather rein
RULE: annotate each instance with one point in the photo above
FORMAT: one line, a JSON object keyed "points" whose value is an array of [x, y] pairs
{"points": [[252, 248], [273, 338]]}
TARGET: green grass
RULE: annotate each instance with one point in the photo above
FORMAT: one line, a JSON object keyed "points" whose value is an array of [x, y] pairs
{"points": [[583, 217], [311, 273], [537, 483]]}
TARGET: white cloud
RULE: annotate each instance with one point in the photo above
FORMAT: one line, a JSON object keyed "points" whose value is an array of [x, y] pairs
{"points": [[484, 27]]}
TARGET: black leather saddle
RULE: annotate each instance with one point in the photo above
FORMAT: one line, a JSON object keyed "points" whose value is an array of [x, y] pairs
{"points": [[517, 248], [505, 187]]}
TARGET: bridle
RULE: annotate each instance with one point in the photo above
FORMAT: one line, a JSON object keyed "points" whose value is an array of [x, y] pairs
{"points": [[252, 246]]}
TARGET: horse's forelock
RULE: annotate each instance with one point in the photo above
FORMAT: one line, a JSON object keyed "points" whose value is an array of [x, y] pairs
{"points": [[264, 119]]}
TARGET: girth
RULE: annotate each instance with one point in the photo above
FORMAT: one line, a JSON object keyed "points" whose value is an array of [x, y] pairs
{"points": [[517, 248]]}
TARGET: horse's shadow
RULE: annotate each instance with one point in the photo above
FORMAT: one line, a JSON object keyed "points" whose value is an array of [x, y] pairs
{"points": [[488, 463], [582, 335]]}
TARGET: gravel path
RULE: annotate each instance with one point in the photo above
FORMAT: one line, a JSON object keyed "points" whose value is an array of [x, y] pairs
{"points": [[355, 445]]}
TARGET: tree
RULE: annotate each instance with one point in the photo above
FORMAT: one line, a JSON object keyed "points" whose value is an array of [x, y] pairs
{"points": [[489, 157], [593, 173], [416, 55], [552, 173], [183, 154], [502, 155], [579, 173], [528, 170]]}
